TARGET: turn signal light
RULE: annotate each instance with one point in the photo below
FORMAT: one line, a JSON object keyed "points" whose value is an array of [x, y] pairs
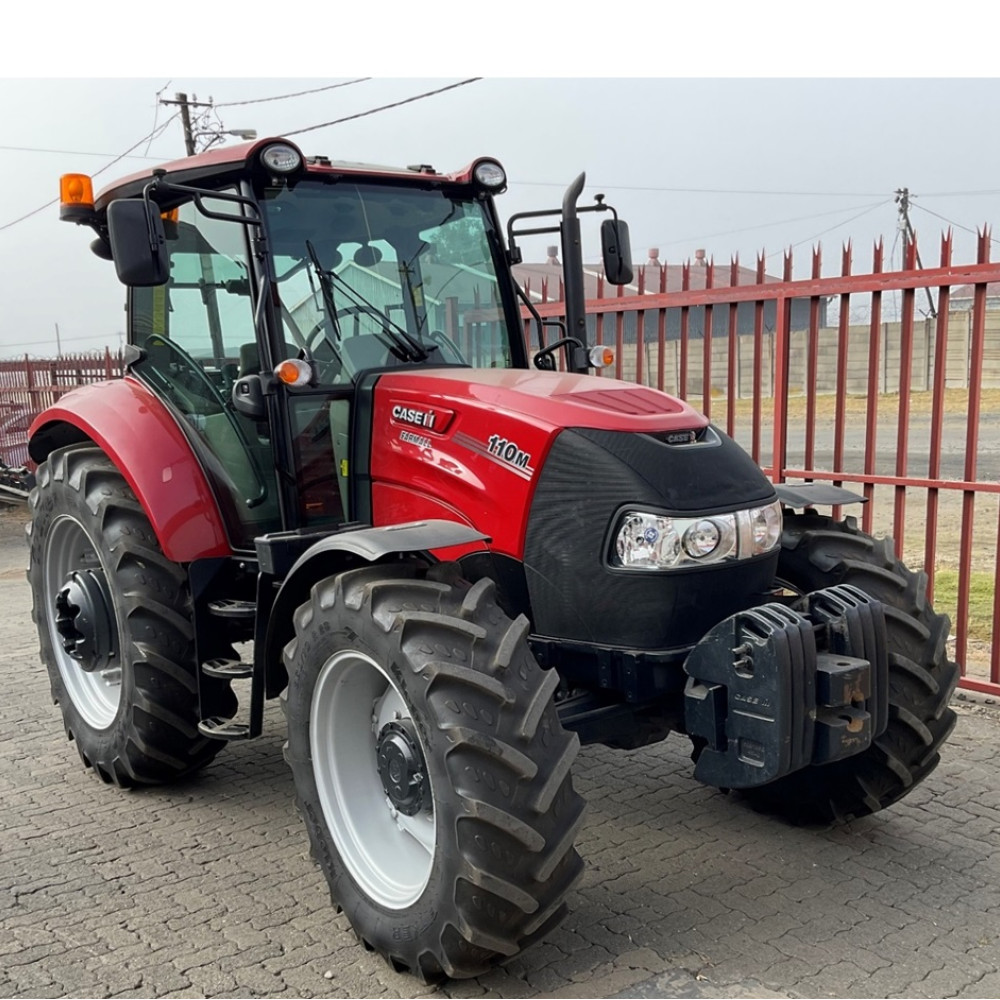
{"points": [[601, 356], [76, 198], [294, 372]]}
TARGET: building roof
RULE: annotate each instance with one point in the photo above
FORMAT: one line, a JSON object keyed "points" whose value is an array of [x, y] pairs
{"points": [[968, 291], [549, 274]]}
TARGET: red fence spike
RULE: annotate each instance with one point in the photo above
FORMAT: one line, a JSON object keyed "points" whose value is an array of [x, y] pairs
{"points": [[946, 248]]}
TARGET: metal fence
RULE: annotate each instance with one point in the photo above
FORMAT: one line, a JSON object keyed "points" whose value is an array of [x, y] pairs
{"points": [[902, 407], [29, 385]]}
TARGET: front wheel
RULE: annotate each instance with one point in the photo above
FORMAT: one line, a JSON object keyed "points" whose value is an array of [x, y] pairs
{"points": [[818, 552], [430, 768]]}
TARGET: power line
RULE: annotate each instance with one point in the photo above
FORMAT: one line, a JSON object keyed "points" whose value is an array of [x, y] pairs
{"points": [[957, 225], [956, 194], [775, 222], [69, 152], [121, 156], [301, 93], [157, 131], [156, 110], [152, 135], [386, 107], [45, 340], [830, 229], [741, 191]]}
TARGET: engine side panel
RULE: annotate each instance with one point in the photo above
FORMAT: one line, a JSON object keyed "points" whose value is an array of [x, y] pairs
{"points": [[470, 445]]}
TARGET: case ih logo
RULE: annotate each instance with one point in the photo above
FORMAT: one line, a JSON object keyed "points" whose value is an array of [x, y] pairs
{"points": [[429, 418], [682, 437]]}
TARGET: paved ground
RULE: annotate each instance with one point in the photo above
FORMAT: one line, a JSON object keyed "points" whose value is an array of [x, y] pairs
{"points": [[206, 889]]}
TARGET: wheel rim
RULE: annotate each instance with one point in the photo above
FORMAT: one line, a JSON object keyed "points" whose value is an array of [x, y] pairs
{"points": [[384, 828], [81, 623]]}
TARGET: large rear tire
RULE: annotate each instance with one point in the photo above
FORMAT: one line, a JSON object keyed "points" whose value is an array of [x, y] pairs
{"points": [[820, 552], [430, 768], [114, 624]]}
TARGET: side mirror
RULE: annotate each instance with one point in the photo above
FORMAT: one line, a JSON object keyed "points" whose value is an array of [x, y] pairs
{"points": [[616, 249], [138, 243]]}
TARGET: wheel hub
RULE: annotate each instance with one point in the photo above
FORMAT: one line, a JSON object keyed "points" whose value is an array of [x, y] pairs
{"points": [[83, 620], [401, 766]]}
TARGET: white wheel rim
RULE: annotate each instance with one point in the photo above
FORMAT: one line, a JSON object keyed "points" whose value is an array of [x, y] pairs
{"points": [[389, 855], [95, 694]]}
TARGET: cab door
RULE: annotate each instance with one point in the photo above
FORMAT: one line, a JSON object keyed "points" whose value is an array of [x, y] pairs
{"points": [[195, 336]]}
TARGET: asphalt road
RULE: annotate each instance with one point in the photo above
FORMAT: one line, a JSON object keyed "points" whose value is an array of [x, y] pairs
{"points": [[205, 888], [954, 445]]}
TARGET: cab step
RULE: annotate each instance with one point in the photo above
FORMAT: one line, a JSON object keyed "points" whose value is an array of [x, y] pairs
{"points": [[224, 729], [227, 669], [242, 610]]}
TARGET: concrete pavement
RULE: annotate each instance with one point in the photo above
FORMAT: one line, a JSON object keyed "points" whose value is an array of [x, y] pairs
{"points": [[205, 888]]}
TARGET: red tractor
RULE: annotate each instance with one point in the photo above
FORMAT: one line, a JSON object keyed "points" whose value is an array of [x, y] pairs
{"points": [[335, 474]]}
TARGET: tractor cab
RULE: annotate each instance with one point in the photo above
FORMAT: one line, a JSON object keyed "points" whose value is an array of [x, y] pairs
{"points": [[261, 296], [265, 288]]}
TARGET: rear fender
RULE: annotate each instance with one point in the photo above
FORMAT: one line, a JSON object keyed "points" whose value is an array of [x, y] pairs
{"points": [[137, 432]]}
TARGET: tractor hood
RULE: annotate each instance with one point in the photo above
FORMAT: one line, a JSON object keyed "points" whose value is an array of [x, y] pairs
{"points": [[476, 446], [552, 399]]}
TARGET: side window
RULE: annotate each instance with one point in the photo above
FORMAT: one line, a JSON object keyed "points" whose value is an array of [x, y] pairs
{"points": [[197, 336], [460, 289], [205, 308]]}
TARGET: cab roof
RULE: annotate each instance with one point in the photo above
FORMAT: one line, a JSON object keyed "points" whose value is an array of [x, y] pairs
{"points": [[235, 159]]}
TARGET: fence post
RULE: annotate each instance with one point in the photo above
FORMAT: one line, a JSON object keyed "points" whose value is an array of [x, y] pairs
{"points": [[780, 391]]}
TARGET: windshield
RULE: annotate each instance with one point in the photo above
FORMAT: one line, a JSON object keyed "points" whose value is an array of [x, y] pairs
{"points": [[372, 275]]}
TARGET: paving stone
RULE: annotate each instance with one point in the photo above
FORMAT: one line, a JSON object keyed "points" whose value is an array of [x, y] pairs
{"points": [[206, 889]]}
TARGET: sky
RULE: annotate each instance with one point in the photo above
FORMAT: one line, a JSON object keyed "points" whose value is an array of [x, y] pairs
{"points": [[746, 130]]}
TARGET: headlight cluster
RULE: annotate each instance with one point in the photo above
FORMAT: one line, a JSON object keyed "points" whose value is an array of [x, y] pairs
{"points": [[646, 540]]}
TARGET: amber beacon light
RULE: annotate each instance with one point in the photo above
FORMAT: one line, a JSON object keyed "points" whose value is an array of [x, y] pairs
{"points": [[76, 197]]}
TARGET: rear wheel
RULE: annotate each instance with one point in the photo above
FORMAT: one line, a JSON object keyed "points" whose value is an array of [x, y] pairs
{"points": [[430, 768], [114, 625], [819, 552]]}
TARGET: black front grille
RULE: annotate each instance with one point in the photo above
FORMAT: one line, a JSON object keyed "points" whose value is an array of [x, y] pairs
{"points": [[588, 478]]}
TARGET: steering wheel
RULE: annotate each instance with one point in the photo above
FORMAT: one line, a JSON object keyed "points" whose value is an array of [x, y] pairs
{"points": [[313, 337], [446, 347]]}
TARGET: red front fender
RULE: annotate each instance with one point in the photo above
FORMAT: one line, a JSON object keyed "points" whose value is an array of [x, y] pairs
{"points": [[137, 432]]}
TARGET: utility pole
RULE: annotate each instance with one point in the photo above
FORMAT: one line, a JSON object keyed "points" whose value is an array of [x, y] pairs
{"points": [[903, 200], [185, 106], [58, 343]]}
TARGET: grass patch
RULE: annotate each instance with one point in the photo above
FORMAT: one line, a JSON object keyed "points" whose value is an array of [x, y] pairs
{"points": [[981, 589]]}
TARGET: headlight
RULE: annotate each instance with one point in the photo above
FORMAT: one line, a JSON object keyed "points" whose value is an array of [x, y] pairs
{"points": [[646, 540]]}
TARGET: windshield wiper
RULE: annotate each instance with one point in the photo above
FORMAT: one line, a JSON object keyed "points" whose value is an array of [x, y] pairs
{"points": [[392, 336], [325, 288]]}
